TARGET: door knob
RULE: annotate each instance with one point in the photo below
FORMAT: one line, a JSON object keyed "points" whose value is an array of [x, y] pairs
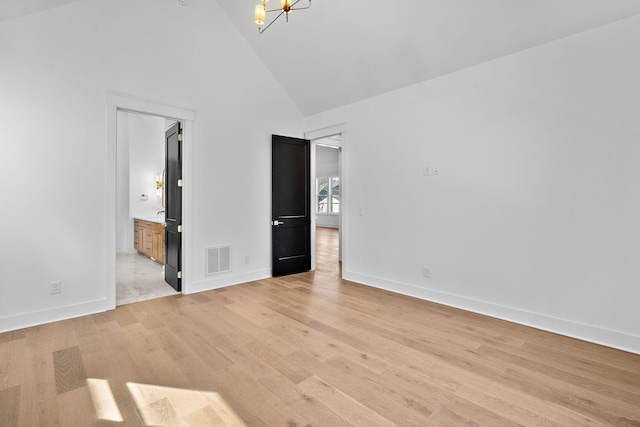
{"points": [[276, 222]]}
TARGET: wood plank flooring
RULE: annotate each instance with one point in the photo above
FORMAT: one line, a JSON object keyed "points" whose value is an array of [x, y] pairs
{"points": [[308, 350]]}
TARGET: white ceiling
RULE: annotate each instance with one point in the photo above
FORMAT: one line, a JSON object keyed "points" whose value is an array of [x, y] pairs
{"points": [[10, 9], [341, 51]]}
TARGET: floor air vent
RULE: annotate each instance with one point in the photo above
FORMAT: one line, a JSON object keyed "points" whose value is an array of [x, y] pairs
{"points": [[218, 259]]}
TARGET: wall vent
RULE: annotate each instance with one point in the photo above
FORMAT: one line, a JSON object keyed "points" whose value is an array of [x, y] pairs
{"points": [[218, 259]]}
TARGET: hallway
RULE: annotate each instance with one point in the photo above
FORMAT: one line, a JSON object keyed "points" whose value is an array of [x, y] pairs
{"points": [[327, 251]]}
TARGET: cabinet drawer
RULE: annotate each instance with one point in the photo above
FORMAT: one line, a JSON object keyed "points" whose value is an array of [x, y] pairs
{"points": [[148, 224], [145, 224], [149, 239]]}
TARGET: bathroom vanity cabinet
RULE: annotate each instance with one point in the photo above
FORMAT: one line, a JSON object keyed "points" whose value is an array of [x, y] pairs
{"points": [[149, 239]]}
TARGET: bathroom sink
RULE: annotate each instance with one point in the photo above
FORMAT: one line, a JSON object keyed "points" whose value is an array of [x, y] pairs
{"points": [[155, 218]]}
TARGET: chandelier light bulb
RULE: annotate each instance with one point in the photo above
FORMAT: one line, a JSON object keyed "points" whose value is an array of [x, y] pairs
{"points": [[260, 15], [286, 6]]}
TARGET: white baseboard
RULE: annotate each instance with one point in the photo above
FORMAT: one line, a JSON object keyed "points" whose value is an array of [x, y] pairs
{"points": [[220, 282], [26, 320], [36, 318], [615, 339], [610, 338]]}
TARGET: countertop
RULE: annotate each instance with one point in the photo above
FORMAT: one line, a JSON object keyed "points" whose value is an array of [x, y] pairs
{"points": [[153, 218]]}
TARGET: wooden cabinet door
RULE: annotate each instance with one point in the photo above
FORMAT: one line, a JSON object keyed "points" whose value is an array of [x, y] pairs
{"points": [[149, 239], [158, 247], [140, 235], [147, 242], [136, 234]]}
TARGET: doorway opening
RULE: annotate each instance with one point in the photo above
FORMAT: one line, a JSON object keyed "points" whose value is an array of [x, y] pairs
{"points": [[116, 103], [140, 206], [327, 203], [327, 248], [328, 155]]}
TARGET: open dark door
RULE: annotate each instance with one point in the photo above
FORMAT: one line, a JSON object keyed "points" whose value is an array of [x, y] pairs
{"points": [[290, 205], [173, 207]]}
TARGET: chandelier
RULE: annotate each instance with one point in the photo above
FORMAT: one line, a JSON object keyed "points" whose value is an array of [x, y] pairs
{"points": [[286, 6]]}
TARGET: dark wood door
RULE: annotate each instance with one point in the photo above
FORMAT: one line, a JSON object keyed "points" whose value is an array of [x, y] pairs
{"points": [[173, 207], [290, 205]]}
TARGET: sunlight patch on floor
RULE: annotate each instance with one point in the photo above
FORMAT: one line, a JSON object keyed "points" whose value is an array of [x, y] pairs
{"points": [[164, 406], [103, 401]]}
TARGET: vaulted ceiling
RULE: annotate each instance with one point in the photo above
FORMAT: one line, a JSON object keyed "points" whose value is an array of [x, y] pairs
{"points": [[338, 51], [10, 9]]}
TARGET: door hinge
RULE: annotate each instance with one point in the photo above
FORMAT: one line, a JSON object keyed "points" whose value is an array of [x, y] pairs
{"points": [[179, 183], [179, 274], [179, 229], [179, 137]]}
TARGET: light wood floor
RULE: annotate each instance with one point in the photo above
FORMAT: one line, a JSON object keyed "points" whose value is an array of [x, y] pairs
{"points": [[308, 350]]}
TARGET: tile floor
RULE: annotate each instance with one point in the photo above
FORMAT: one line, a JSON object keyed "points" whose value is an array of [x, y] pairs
{"points": [[139, 279]]}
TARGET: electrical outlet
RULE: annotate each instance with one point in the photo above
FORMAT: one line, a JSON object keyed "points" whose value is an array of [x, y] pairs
{"points": [[247, 259], [436, 169], [426, 271], [56, 287]]}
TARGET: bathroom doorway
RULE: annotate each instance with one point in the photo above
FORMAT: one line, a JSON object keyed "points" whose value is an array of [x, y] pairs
{"points": [[140, 207], [116, 102]]}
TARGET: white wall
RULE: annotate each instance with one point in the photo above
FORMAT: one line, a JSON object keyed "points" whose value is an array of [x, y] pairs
{"points": [[535, 214], [140, 158], [55, 68], [327, 165], [146, 136]]}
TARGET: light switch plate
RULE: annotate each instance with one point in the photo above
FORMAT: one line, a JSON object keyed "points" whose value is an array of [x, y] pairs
{"points": [[56, 287]]}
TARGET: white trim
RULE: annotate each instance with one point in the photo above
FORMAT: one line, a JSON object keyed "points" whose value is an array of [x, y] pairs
{"points": [[340, 129], [615, 339], [119, 102], [314, 201], [327, 132], [36, 318], [138, 105]]}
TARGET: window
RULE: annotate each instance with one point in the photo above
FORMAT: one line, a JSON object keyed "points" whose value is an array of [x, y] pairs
{"points": [[328, 188]]}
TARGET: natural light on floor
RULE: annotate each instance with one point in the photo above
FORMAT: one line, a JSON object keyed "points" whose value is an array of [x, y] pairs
{"points": [[103, 401], [165, 406]]}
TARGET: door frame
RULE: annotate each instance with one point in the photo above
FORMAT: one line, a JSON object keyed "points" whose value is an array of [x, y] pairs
{"points": [[120, 102], [313, 136]]}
